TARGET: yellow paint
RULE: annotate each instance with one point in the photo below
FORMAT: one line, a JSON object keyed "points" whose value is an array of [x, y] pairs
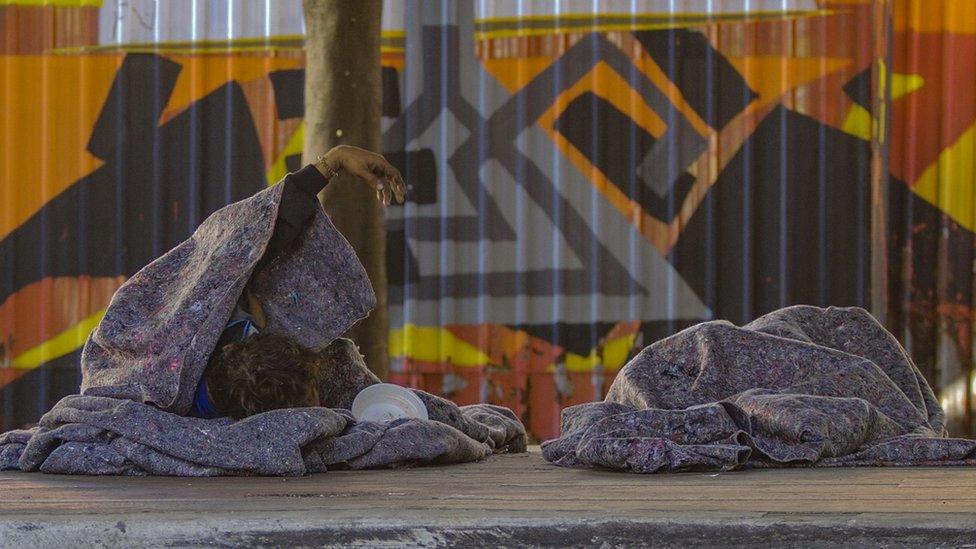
{"points": [[248, 44], [586, 23], [950, 181], [392, 42], [616, 350], [900, 85], [561, 29], [613, 356], [295, 145], [59, 345], [882, 106], [628, 16], [904, 84], [580, 363], [858, 122], [425, 343], [42, 309], [434, 344]]}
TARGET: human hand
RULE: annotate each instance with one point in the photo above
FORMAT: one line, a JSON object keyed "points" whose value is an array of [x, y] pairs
{"points": [[369, 166]]}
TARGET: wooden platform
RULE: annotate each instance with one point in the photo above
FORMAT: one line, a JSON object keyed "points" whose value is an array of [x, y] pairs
{"points": [[507, 500]]}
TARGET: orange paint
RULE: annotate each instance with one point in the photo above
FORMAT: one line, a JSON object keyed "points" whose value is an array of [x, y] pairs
{"points": [[50, 306], [49, 104], [515, 72], [949, 16], [202, 74]]}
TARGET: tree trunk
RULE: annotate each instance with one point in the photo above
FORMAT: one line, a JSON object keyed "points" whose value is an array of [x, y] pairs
{"points": [[342, 106]]}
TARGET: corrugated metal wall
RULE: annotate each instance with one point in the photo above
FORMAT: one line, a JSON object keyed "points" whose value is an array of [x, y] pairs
{"points": [[932, 119], [588, 176]]}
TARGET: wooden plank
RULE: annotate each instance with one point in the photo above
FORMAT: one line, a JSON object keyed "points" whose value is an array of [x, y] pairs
{"points": [[514, 484]]}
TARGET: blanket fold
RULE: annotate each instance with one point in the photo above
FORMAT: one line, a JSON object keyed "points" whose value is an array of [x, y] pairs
{"points": [[109, 436], [143, 362], [801, 386]]}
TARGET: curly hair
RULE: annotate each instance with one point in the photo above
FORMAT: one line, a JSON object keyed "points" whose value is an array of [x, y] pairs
{"points": [[264, 372]]}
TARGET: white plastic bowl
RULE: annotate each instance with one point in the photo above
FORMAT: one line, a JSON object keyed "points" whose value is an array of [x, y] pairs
{"points": [[386, 402]]}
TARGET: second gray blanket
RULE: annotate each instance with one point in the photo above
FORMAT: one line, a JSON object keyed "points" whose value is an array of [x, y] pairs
{"points": [[801, 386]]}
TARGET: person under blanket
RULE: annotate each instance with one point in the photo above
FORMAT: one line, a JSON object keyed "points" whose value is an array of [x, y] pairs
{"points": [[251, 371]]}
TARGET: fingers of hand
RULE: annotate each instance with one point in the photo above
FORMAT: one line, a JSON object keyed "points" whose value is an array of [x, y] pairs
{"points": [[395, 187], [382, 190], [396, 183], [375, 182], [398, 186], [384, 178]]}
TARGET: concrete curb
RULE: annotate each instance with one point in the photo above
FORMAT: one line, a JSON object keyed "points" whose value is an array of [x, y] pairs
{"points": [[309, 529]]}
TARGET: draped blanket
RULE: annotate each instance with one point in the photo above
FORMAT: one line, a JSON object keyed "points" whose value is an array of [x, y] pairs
{"points": [[89, 435], [801, 386], [142, 364]]}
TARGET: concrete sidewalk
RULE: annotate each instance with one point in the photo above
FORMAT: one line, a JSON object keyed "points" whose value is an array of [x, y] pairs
{"points": [[509, 500]]}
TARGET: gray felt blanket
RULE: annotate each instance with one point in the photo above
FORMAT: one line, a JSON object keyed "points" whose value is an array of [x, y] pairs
{"points": [[86, 435], [801, 386], [141, 366], [163, 323]]}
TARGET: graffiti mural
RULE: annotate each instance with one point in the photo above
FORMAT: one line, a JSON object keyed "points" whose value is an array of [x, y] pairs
{"points": [[584, 177], [595, 191]]}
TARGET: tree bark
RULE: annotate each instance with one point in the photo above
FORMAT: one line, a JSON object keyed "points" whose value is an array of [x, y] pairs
{"points": [[342, 106]]}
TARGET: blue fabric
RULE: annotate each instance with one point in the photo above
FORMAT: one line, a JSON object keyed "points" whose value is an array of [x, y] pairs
{"points": [[202, 405]]}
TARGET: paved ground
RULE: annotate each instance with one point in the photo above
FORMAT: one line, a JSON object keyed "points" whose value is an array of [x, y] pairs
{"points": [[508, 500]]}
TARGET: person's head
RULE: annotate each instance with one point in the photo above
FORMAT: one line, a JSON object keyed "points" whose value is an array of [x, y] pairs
{"points": [[263, 372]]}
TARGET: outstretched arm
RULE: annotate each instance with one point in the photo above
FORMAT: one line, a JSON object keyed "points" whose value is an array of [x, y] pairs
{"points": [[371, 168], [299, 197]]}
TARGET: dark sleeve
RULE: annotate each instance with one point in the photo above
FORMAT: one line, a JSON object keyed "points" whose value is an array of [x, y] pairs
{"points": [[298, 203]]}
